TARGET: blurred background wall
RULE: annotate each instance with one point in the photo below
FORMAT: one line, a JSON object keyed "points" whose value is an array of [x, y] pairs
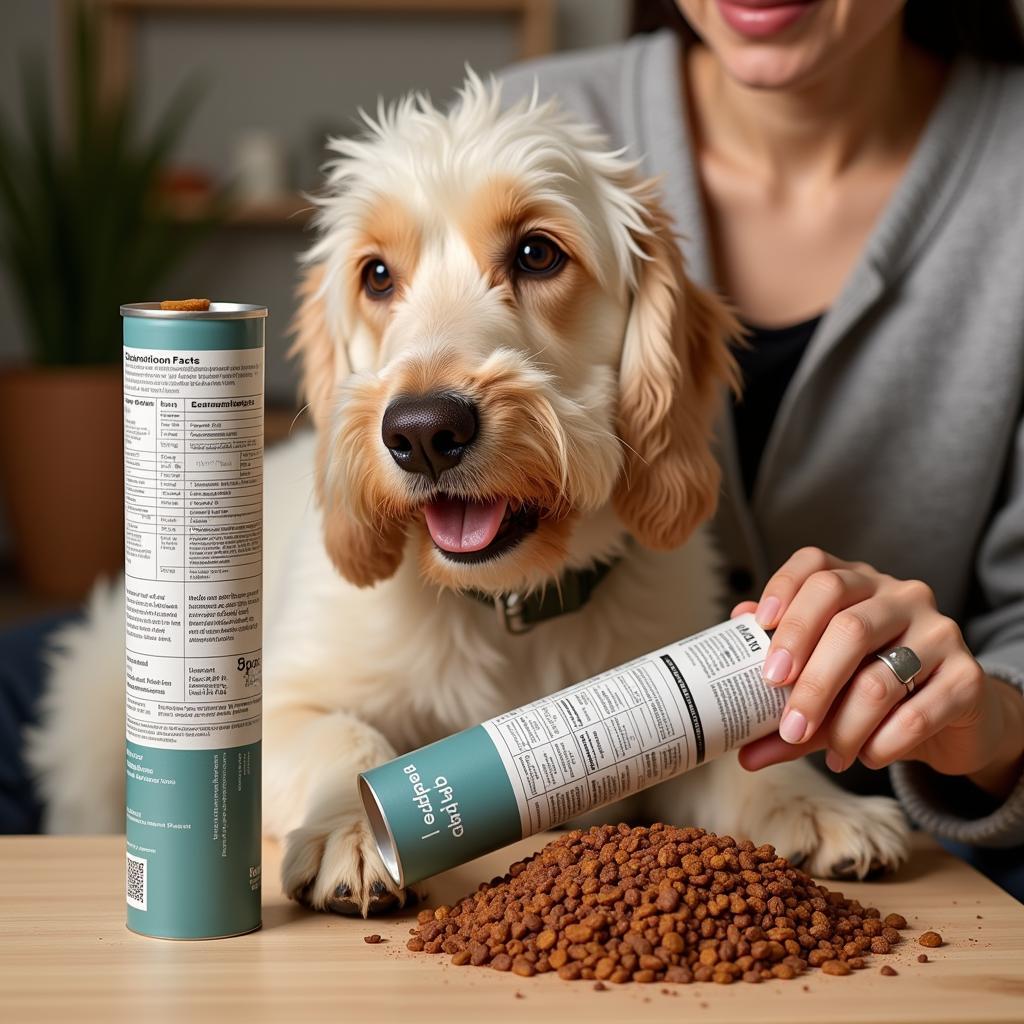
{"points": [[284, 79], [274, 84]]}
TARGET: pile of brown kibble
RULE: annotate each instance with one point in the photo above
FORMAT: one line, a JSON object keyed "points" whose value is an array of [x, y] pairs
{"points": [[658, 904]]}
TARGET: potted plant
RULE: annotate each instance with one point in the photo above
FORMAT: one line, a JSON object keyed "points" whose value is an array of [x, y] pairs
{"points": [[82, 229]]}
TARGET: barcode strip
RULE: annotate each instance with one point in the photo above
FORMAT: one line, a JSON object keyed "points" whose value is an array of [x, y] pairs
{"points": [[136, 881]]}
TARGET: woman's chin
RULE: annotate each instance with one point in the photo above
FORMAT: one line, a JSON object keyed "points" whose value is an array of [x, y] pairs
{"points": [[770, 67]]}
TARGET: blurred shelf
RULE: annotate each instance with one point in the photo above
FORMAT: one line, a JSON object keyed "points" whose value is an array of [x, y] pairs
{"points": [[342, 6], [294, 211], [536, 21]]}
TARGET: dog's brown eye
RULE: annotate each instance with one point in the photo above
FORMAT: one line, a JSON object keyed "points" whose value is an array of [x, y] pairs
{"points": [[536, 254], [377, 280]]}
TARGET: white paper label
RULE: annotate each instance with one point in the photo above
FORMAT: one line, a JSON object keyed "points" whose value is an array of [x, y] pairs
{"points": [[639, 724], [193, 469]]}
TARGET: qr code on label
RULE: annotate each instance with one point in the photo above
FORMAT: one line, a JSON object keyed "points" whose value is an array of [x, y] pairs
{"points": [[136, 886]]}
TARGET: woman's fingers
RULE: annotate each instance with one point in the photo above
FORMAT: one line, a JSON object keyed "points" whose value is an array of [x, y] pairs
{"points": [[872, 694], [946, 697], [780, 590], [850, 636], [774, 749], [822, 597]]}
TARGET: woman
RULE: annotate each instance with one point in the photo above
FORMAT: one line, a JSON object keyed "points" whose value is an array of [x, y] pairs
{"points": [[849, 175]]}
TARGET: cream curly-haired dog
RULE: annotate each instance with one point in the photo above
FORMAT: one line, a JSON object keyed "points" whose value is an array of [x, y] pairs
{"points": [[512, 380]]}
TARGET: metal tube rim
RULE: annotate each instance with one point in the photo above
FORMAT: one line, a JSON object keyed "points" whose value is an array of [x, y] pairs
{"points": [[217, 311]]}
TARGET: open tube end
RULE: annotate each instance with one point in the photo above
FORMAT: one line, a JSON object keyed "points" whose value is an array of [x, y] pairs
{"points": [[385, 841]]}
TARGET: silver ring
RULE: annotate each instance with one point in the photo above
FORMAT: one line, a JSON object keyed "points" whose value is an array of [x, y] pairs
{"points": [[904, 665]]}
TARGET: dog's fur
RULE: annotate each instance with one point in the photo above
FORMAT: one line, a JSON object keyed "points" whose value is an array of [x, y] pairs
{"points": [[597, 388]]}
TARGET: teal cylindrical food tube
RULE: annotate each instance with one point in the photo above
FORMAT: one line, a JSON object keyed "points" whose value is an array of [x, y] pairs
{"points": [[193, 473], [561, 756]]}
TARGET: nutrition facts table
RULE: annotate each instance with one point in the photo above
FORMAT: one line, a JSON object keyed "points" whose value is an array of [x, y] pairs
{"points": [[595, 744], [625, 730], [193, 544], [193, 480]]}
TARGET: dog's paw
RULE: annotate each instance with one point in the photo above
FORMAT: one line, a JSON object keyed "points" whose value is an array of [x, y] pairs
{"points": [[337, 869], [840, 836]]}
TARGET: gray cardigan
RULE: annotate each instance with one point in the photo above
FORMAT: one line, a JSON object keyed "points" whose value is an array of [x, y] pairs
{"points": [[899, 441]]}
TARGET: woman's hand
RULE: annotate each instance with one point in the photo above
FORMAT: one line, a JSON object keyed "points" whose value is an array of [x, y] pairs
{"points": [[830, 619]]}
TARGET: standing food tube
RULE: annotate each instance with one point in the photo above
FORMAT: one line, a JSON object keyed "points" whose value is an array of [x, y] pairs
{"points": [[193, 474], [555, 759]]}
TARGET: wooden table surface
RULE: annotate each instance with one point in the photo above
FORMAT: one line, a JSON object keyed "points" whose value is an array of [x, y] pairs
{"points": [[65, 955]]}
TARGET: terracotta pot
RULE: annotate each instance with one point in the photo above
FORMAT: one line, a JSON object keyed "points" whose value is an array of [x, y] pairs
{"points": [[61, 475]]}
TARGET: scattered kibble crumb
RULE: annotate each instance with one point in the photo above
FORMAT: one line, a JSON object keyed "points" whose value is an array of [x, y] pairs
{"points": [[930, 939], [888, 971], [600, 986], [372, 939], [922, 958]]}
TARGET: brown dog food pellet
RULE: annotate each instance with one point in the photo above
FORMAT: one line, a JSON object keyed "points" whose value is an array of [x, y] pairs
{"points": [[896, 921], [186, 305], [836, 967], [930, 939], [888, 971], [523, 967], [372, 939], [922, 958], [614, 904]]}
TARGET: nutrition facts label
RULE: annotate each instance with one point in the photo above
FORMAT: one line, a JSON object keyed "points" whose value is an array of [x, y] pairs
{"points": [[639, 724], [193, 466]]}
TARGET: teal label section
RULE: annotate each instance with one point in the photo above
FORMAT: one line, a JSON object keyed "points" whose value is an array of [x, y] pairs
{"points": [[193, 817], [446, 803], [200, 335]]}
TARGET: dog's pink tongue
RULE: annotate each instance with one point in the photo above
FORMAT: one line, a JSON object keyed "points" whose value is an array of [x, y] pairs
{"points": [[459, 525]]}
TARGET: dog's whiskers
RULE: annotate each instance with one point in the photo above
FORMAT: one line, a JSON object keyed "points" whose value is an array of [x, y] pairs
{"points": [[625, 444], [295, 418]]}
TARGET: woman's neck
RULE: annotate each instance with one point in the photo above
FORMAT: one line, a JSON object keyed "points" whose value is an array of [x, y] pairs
{"points": [[871, 109]]}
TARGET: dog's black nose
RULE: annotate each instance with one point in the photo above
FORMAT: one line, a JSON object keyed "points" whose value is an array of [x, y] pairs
{"points": [[428, 434]]}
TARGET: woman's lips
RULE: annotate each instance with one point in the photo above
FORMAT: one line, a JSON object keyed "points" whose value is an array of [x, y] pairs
{"points": [[756, 20]]}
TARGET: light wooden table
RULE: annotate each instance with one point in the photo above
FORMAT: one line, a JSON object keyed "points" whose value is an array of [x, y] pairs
{"points": [[65, 955]]}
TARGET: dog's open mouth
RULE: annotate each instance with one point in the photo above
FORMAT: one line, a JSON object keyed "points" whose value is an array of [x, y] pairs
{"points": [[475, 531]]}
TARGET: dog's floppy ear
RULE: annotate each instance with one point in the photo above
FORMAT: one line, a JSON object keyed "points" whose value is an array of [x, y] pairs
{"points": [[675, 359], [364, 547]]}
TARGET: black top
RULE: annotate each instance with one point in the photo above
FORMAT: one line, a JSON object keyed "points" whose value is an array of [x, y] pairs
{"points": [[767, 363]]}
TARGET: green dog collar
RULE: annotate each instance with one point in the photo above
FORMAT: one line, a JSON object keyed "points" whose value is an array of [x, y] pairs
{"points": [[519, 613]]}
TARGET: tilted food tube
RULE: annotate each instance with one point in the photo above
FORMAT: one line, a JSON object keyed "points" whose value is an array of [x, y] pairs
{"points": [[553, 760]]}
